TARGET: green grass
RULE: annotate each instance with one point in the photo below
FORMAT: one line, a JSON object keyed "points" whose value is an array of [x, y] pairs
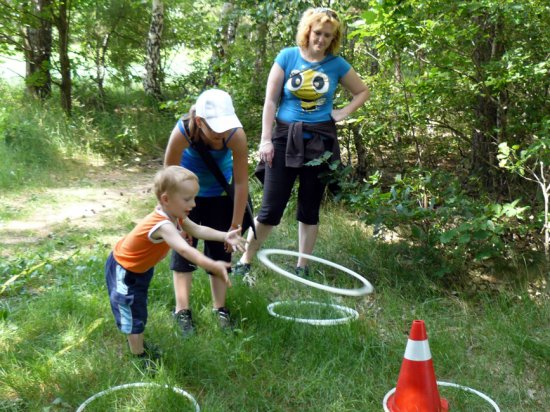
{"points": [[59, 344]]}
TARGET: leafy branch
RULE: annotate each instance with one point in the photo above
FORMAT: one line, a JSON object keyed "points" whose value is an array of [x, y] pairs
{"points": [[531, 164]]}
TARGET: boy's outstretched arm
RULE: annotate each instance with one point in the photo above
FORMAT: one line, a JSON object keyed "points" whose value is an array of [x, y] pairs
{"points": [[233, 237], [174, 239]]}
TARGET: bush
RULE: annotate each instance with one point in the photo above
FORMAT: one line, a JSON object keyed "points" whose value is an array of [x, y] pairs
{"points": [[431, 210]]}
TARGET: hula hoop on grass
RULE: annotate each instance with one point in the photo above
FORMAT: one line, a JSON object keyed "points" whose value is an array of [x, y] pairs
{"points": [[452, 385], [140, 385], [351, 313], [364, 290]]}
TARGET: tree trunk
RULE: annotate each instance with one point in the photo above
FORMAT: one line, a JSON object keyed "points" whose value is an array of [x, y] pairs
{"points": [[374, 66], [61, 22], [489, 114], [153, 78], [484, 139], [225, 36], [398, 75], [361, 169], [101, 52], [38, 50]]}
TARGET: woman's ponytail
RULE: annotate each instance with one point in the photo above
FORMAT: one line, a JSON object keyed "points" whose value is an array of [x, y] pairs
{"points": [[190, 117]]}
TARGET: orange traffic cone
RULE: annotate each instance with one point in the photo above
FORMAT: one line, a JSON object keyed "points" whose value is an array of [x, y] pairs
{"points": [[416, 389]]}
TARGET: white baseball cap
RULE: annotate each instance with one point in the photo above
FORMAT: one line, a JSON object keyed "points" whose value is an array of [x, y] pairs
{"points": [[216, 107]]}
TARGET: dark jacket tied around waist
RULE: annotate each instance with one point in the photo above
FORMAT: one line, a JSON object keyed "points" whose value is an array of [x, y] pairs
{"points": [[300, 150]]}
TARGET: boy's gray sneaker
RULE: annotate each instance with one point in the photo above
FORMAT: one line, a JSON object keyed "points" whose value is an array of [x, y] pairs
{"points": [[184, 320], [224, 318], [149, 360], [241, 269]]}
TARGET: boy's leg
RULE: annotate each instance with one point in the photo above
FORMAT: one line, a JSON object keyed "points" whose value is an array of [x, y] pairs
{"points": [[148, 355], [128, 298], [135, 341]]}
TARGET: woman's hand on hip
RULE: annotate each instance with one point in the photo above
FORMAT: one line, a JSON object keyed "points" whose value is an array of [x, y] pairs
{"points": [[338, 115]]}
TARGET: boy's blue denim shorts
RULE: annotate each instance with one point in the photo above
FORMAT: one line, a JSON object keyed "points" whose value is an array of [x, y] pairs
{"points": [[128, 296]]}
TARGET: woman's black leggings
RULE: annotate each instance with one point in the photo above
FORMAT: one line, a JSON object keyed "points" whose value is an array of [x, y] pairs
{"points": [[278, 184]]}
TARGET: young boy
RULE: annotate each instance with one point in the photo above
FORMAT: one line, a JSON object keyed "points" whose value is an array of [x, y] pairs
{"points": [[131, 264]]}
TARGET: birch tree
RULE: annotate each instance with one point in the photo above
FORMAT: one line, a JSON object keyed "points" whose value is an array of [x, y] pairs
{"points": [[38, 49], [153, 71], [225, 36]]}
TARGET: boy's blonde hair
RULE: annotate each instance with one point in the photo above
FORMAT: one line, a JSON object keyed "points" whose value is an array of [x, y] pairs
{"points": [[169, 179], [319, 15]]}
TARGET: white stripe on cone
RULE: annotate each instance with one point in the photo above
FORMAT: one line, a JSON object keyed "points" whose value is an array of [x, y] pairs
{"points": [[418, 350]]}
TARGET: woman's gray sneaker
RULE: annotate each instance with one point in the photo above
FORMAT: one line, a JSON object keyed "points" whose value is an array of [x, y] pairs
{"points": [[241, 269], [184, 319], [224, 318]]}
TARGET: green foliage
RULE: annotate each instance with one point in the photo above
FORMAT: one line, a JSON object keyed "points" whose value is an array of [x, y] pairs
{"points": [[533, 164], [431, 76], [433, 211], [420, 59], [37, 140], [533, 160], [32, 140], [114, 32], [128, 130]]}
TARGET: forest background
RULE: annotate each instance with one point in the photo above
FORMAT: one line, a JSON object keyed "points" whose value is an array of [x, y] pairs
{"points": [[450, 156], [452, 147]]}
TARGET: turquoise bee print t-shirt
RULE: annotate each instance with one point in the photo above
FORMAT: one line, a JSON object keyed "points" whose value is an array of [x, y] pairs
{"points": [[308, 91]]}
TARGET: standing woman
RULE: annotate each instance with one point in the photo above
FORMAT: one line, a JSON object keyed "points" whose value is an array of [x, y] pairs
{"points": [[302, 82], [211, 126]]}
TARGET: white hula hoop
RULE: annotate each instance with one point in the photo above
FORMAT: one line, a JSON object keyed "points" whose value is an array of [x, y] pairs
{"points": [[364, 290], [351, 313], [140, 385], [452, 385]]}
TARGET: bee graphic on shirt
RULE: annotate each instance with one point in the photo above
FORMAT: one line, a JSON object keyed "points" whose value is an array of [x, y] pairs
{"points": [[309, 86]]}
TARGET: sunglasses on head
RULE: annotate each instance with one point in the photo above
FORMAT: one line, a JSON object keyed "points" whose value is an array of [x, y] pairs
{"points": [[330, 13]]}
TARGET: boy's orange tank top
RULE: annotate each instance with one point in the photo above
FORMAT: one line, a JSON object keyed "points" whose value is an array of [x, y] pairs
{"points": [[138, 251]]}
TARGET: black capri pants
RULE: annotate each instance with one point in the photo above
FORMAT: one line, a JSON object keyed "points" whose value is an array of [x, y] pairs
{"points": [[278, 184], [214, 212]]}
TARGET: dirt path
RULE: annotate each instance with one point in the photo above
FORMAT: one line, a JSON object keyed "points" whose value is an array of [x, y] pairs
{"points": [[82, 203]]}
